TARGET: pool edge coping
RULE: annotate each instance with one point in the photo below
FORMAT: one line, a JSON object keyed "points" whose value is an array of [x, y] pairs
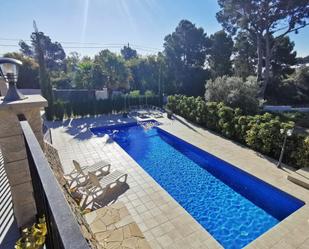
{"points": [[278, 226]]}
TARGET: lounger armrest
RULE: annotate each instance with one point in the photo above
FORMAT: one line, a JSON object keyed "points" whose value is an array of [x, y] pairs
{"points": [[74, 171], [108, 166]]}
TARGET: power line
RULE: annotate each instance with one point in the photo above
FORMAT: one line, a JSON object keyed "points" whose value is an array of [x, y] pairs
{"points": [[93, 47], [65, 42], [100, 45]]}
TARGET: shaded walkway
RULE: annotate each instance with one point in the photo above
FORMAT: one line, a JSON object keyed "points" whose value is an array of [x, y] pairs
{"points": [[8, 228]]}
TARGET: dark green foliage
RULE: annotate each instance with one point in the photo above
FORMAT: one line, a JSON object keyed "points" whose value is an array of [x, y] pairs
{"points": [[283, 57], [291, 91], [226, 122], [234, 92], [149, 73], [59, 110], [299, 118], [244, 55], [264, 134], [299, 151], [28, 75], [259, 132], [53, 52], [185, 51], [128, 53], [61, 80], [212, 120], [220, 51], [111, 71], [267, 21], [89, 107]]}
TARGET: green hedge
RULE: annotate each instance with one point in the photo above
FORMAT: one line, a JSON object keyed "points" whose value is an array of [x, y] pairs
{"points": [[82, 108], [259, 132]]}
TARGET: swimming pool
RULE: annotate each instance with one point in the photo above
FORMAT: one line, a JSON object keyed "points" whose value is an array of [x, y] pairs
{"points": [[233, 206]]}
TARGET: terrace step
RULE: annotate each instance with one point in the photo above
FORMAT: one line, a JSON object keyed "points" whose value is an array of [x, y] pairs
{"points": [[300, 177]]}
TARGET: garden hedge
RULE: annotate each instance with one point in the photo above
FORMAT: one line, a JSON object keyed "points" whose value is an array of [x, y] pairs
{"points": [[259, 132], [82, 108]]}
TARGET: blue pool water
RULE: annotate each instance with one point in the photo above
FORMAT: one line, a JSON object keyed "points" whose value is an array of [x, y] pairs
{"points": [[233, 206]]}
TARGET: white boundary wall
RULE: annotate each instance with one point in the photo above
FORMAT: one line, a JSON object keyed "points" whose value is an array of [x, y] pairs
{"points": [[285, 108]]}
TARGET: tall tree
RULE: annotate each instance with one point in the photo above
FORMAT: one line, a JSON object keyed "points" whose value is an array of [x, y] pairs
{"points": [[83, 77], [45, 83], [283, 58], [128, 53], [244, 55], [264, 19], [113, 70], [72, 61], [148, 73], [185, 51], [220, 51], [53, 52]]}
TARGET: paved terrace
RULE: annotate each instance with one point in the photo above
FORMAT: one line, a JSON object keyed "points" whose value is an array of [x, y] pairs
{"points": [[162, 220]]}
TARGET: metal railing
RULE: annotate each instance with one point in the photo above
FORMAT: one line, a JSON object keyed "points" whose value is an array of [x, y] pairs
{"points": [[63, 229]]}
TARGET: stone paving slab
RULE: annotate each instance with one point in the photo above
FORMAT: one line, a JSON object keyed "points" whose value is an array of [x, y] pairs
{"points": [[162, 220], [113, 227]]}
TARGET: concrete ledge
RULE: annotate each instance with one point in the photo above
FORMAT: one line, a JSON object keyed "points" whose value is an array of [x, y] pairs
{"points": [[30, 102]]}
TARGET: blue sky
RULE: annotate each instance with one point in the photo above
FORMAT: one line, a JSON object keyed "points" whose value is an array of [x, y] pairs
{"points": [[108, 23]]}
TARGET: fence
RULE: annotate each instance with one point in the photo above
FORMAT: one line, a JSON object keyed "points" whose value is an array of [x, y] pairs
{"points": [[73, 94], [86, 107], [63, 231], [285, 108]]}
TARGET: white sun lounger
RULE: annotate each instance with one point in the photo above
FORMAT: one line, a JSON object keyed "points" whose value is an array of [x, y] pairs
{"points": [[80, 174], [97, 187]]}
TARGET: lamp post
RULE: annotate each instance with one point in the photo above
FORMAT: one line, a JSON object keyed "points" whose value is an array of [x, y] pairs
{"points": [[287, 133], [9, 71]]}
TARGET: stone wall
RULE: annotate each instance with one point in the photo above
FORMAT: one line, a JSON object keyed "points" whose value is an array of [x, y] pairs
{"points": [[55, 163]]}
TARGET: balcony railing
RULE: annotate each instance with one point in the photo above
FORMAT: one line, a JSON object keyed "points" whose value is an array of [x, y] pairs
{"points": [[63, 229]]}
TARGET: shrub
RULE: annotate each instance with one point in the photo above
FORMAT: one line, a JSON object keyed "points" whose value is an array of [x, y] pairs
{"points": [[212, 120], [135, 93], [241, 123], [59, 110], [259, 132], [234, 92], [291, 91], [82, 108], [149, 93], [301, 154], [264, 134], [226, 121]]}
